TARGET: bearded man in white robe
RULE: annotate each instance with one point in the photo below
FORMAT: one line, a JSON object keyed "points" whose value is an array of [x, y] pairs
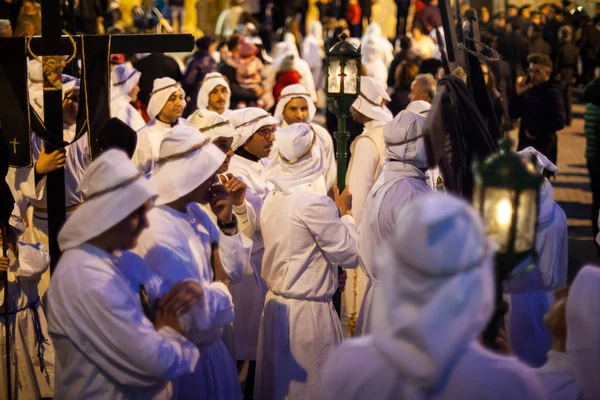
{"points": [[437, 297], [183, 243], [123, 91], [115, 327], [214, 94], [299, 326], [402, 181]]}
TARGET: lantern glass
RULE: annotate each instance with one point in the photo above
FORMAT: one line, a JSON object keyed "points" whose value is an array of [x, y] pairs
{"points": [[350, 79], [334, 76], [498, 209], [526, 220]]}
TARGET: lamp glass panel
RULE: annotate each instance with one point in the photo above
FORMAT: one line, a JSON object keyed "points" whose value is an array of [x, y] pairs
{"points": [[333, 74], [498, 208], [350, 80], [526, 220]]}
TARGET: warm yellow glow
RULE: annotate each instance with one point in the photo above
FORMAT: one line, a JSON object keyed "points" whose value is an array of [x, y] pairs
{"points": [[334, 76], [504, 212]]}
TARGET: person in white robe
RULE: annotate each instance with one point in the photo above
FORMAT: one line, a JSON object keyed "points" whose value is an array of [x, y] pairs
{"points": [[286, 48], [403, 180], [313, 52], [583, 331], [299, 326], [373, 62], [35, 85], [183, 243], [215, 94], [375, 35], [557, 375], [113, 338], [165, 108], [366, 159], [123, 91], [437, 296], [296, 106], [531, 291], [31, 350]]}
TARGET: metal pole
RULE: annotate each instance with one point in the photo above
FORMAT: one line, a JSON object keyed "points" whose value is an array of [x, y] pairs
{"points": [[341, 137], [6, 314]]}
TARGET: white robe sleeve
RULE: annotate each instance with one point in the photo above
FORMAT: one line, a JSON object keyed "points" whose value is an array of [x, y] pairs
{"points": [[361, 175], [246, 218], [335, 236], [131, 117], [142, 157], [33, 262], [330, 165], [256, 202]]}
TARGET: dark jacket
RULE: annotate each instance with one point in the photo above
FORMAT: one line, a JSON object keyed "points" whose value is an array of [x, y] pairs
{"points": [[591, 118], [404, 55], [514, 47], [202, 63], [238, 93], [540, 46], [154, 66], [399, 98], [566, 61]]}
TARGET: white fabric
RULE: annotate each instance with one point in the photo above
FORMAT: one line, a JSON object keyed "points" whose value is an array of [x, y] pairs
{"points": [[313, 51], [147, 149], [114, 189], [123, 79], [558, 378], [407, 125], [370, 102], [435, 52], [162, 89], [288, 94], [583, 331], [185, 240], [398, 185], [299, 325], [373, 62], [210, 82], [205, 119], [35, 85], [288, 48], [541, 161], [424, 46], [175, 178], [24, 273], [105, 347], [245, 128], [374, 34], [16, 219], [120, 107]]}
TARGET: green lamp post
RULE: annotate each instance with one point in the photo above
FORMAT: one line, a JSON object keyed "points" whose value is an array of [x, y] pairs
{"points": [[507, 190], [342, 88]]}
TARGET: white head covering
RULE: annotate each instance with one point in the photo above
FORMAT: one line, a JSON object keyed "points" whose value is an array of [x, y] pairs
{"points": [[35, 73], [112, 188], [123, 79], [370, 100], [211, 81], [288, 94], [583, 330], [187, 159], [438, 288], [247, 121], [546, 192], [161, 91], [315, 30], [211, 124], [404, 135], [299, 160]]}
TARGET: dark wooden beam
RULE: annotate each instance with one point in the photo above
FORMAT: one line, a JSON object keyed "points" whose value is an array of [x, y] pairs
{"points": [[449, 31]]}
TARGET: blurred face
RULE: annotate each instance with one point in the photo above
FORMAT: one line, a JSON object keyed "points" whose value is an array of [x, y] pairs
{"points": [[486, 73], [134, 92], [173, 109], [71, 107], [416, 32], [536, 19], [526, 13], [417, 93], [499, 23], [202, 193], [296, 111], [127, 232], [217, 99], [29, 8], [261, 143], [224, 144], [28, 29], [539, 73], [485, 17], [555, 319], [512, 12]]}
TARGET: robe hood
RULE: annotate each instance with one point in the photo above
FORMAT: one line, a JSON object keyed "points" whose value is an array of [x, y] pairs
{"points": [[404, 135], [288, 94]]}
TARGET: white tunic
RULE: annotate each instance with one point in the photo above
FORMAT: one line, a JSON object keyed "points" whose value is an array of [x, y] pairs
{"points": [[120, 107], [29, 329], [398, 185], [178, 246], [558, 378], [150, 137], [357, 370], [299, 326], [105, 347]]}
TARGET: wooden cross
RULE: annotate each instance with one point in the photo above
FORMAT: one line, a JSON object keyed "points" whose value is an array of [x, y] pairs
{"points": [[14, 143]]}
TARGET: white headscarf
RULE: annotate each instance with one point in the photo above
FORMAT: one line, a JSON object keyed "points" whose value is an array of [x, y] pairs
{"points": [[438, 288], [112, 188], [288, 94], [546, 207], [404, 135], [35, 73], [285, 48], [211, 124], [210, 82], [299, 160], [161, 91], [187, 159], [247, 121], [123, 79], [370, 101], [583, 331]]}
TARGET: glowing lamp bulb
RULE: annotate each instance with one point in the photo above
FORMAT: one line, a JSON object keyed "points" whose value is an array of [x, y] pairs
{"points": [[504, 212]]}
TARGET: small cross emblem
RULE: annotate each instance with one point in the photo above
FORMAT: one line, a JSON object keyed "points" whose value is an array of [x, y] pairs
{"points": [[14, 143]]}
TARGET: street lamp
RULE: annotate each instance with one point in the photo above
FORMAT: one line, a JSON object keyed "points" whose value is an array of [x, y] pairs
{"points": [[342, 88], [507, 190]]}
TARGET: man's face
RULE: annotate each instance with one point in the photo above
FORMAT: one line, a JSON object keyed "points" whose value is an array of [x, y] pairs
{"points": [[296, 111], [359, 117], [486, 73], [536, 19], [133, 95], [128, 231], [173, 108], [201, 194], [416, 32], [29, 8], [28, 29], [539, 73], [485, 17], [526, 13], [71, 107], [224, 144], [512, 12], [217, 99], [260, 143], [417, 93]]}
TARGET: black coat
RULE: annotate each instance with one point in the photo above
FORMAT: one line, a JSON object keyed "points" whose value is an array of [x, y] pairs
{"points": [[514, 47], [238, 93], [153, 66], [540, 46]]}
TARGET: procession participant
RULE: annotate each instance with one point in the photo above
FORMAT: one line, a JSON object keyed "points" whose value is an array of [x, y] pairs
{"points": [[299, 325], [433, 308], [402, 180], [107, 344], [366, 159], [296, 106], [165, 109], [313, 51], [182, 243], [287, 48], [215, 94], [31, 351], [124, 90]]}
